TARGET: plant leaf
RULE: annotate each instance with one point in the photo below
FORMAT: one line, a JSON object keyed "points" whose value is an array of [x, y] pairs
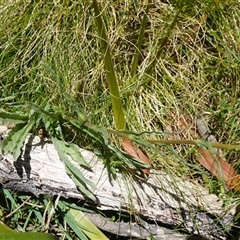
{"points": [[9, 234], [27, 236], [89, 228], [139, 42], [105, 47], [80, 224], [219, 168], [75, 173], [16, 138], [74, 152], [5, 229], [6, 117], [209, 158], [124, 158], [129, 147]]}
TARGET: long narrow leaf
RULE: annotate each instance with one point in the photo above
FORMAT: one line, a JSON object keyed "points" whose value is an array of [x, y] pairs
{"points": [[6, 117], [76, 175], [9, 196], [164, 40], [77, 228], [32, 106], [110, 72], [81, 224], [90, 229], [139, 42], [77, 179], [74, 152]]}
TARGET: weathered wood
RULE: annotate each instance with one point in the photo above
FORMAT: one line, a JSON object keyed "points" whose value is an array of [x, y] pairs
{"points": [[163, 199]]}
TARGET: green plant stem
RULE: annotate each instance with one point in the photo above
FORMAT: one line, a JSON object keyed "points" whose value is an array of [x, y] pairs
{"points": [[194, 142], [109, 69], [174, 141], [139, 42]]}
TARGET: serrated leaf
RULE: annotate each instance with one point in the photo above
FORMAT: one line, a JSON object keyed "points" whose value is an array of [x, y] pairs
{"points": [[17, 136], [77, 173], [74, 152], [7, 145], [64, 154], [6, 117], [81, 186], [74, 172]]}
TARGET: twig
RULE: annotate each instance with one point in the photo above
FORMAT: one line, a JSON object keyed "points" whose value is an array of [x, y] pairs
{"points": [[25, 202]]}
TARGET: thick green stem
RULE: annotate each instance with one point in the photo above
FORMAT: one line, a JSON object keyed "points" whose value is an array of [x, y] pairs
{"points": [[118, 112]]}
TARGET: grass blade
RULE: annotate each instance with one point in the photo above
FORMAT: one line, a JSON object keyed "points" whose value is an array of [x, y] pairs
{"points": [[81, 224], [139, 42], [118, 112], [165, 39]]}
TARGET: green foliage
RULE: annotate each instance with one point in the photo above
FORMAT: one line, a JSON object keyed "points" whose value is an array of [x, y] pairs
{"points": [[7, 117], [139, 41], [157, 57], [55, 124], [26, 236], [13, 143], [80, 223], [18, 212], [39, 210], [5, 229], [65, 151], [16, 138], [110, 72]]}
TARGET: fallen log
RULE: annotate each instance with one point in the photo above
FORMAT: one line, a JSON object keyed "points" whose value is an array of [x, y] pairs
{"points": [[160, 202]]}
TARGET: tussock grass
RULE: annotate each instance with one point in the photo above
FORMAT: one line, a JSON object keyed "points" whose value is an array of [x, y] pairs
{"points": [[188, 64]]}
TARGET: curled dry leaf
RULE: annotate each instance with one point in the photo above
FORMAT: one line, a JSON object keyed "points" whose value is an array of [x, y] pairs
{"points": [[218, 166], [134, 151]]}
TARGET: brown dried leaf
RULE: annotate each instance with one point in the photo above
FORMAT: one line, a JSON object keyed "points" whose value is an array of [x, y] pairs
{"points": [[219, 167], [129, 147]]}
